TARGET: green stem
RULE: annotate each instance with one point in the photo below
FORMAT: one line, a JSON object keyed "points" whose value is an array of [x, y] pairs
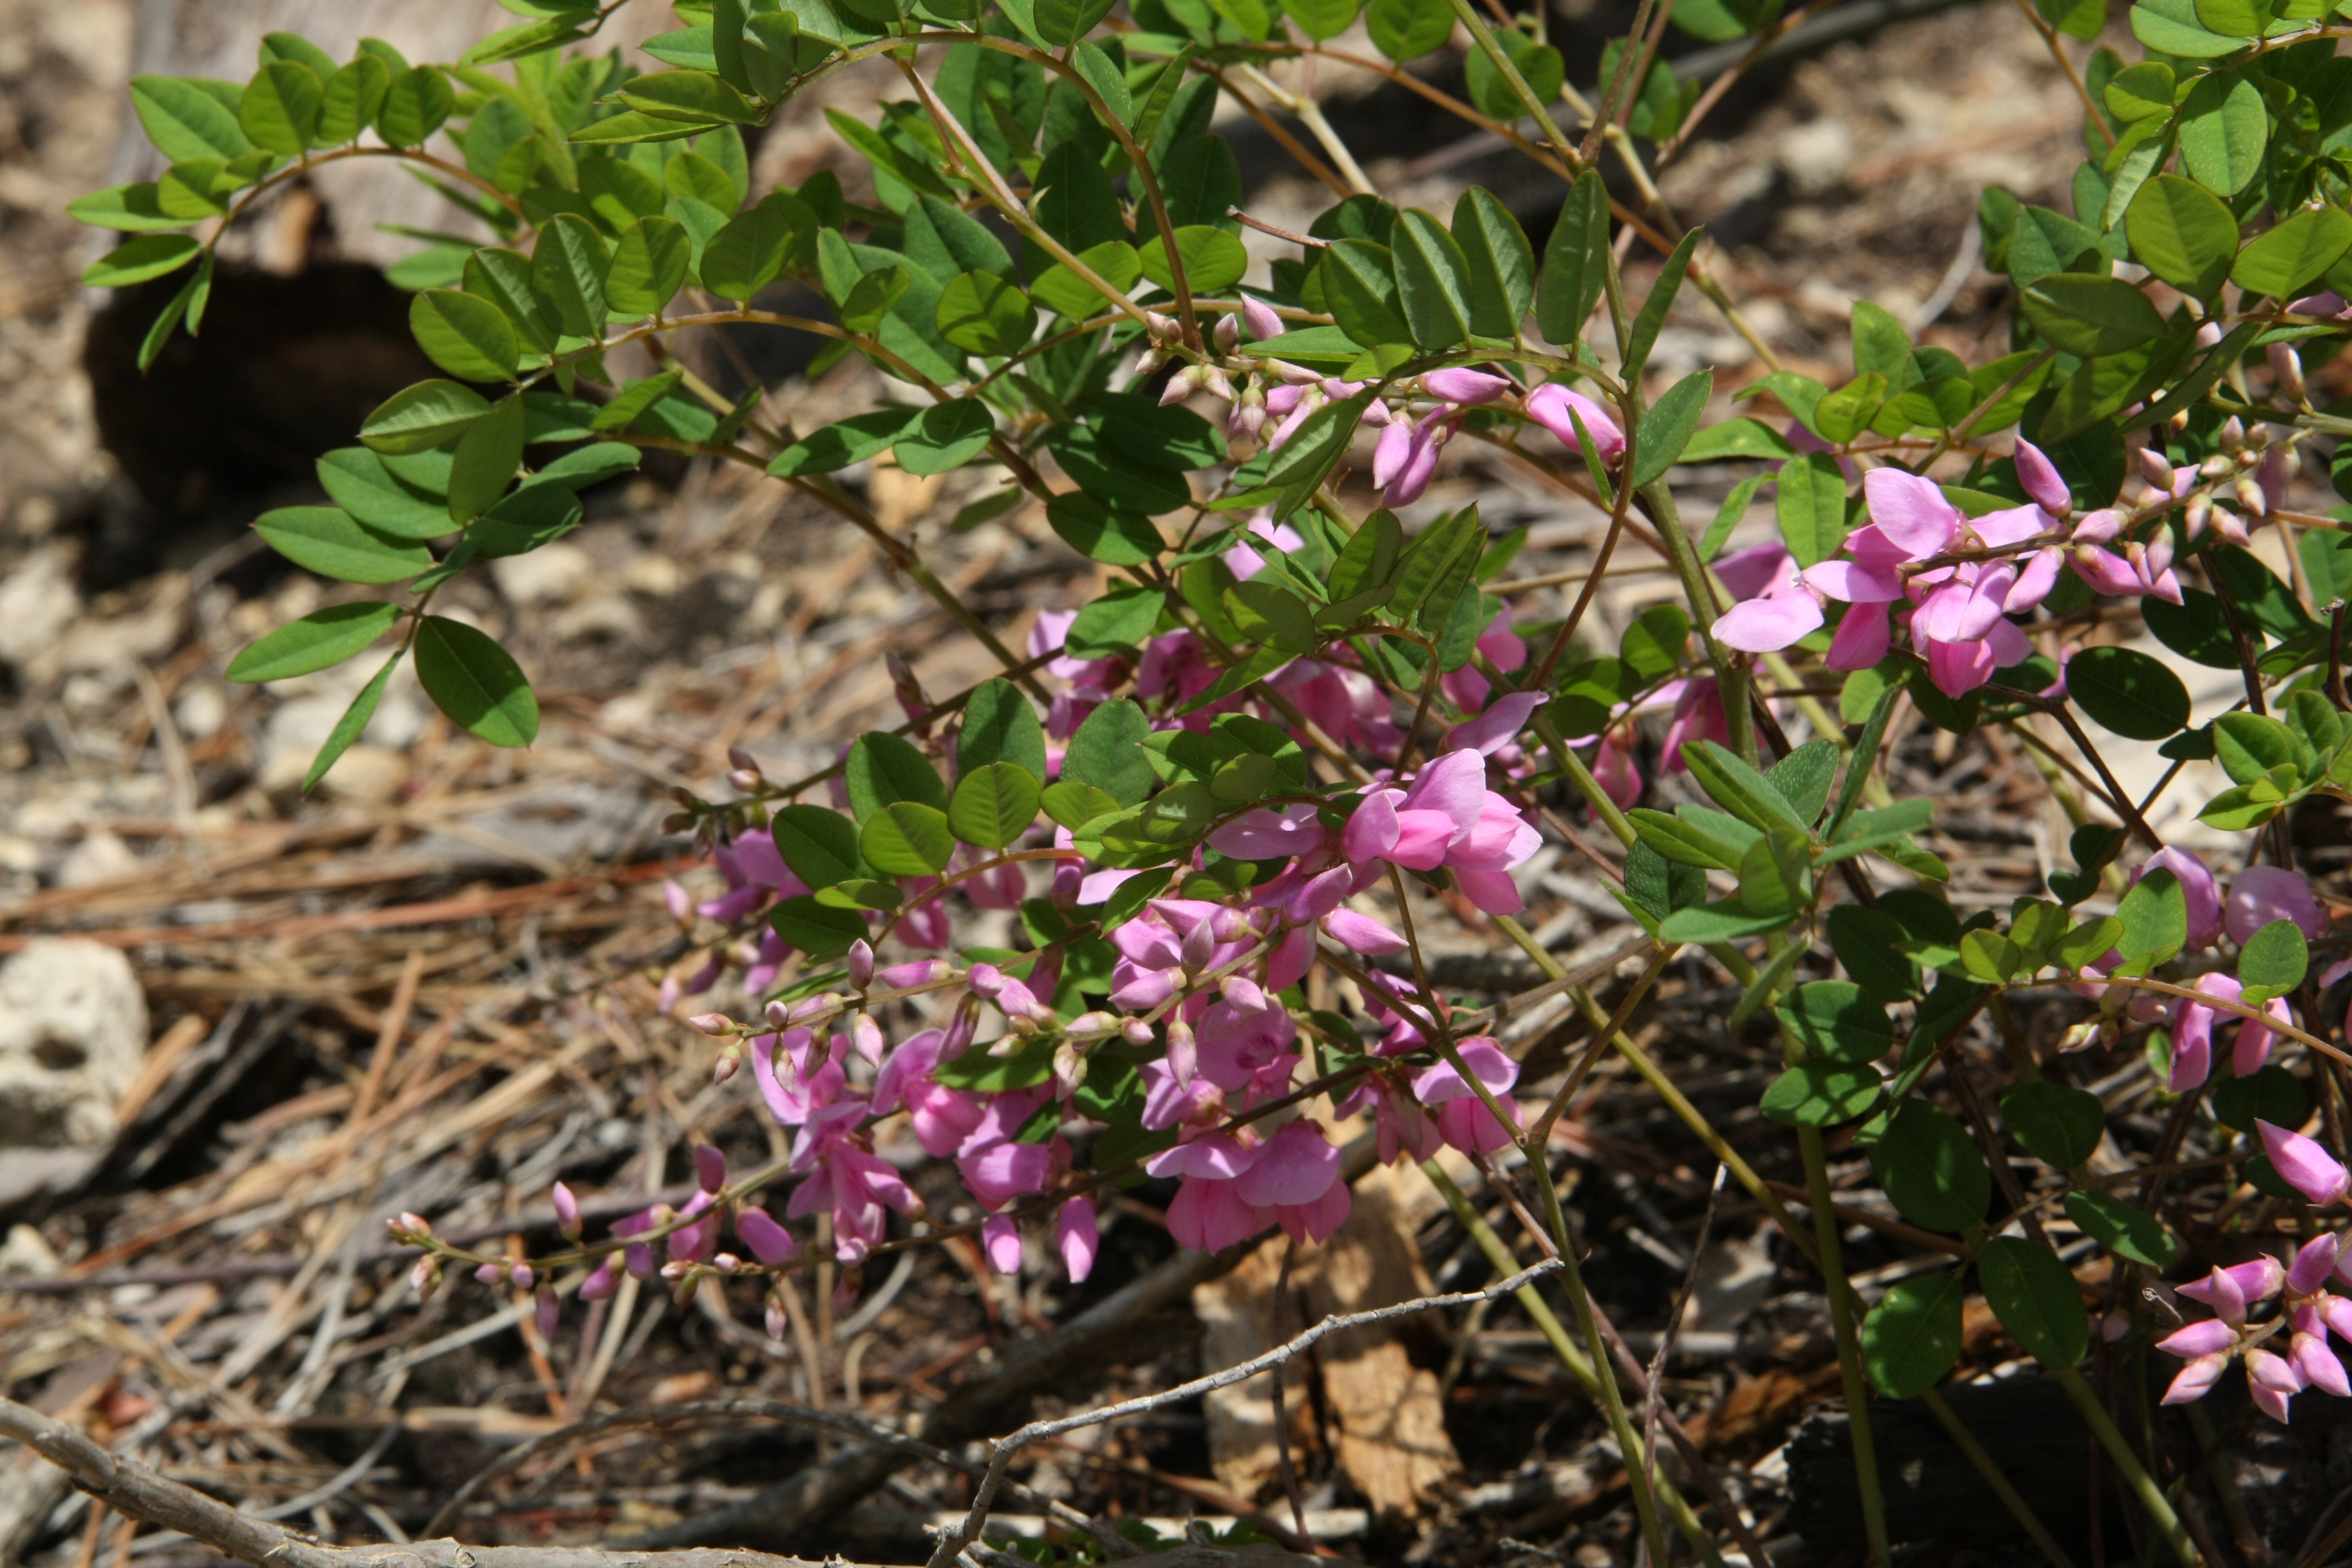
{"points": [[1849, 1348], [2127, 1465], [1500, 1257]]}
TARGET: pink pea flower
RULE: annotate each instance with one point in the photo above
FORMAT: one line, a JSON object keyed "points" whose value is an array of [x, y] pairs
{"points": [[1500, 724], [1000, 1238], [1297, 1176], [770, 1242], [2303, 1166], [2228, 1291], [2197, 1379], [1782, 612], [2272, 1380], [1269, 834], [1448, 817], [1548, 407], [1462, 387], [2261, 894], [1245, 562], [1613, 770], [2192, 1034], [1463, 1117], [2039, 478], [1698, 716], [1361, 934], [1077, 1235]]}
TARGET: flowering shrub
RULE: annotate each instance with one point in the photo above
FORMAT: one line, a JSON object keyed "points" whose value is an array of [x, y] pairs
{"points": [[1291, 709]]}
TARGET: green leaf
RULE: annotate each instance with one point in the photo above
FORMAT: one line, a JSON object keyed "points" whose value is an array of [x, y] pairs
{"points": [[487, 455], [1734, 785], [468, 337], [568, 271], [2054, 1122], [1736, 439], [981, 313], [635, 400], [2035, 1298], [697, 98], [2224, 128], [356, 479], [819, 845], [1576, 260], [1271, 615], [279, 110], [2154, 917], [1106, 752], [1719, 922], [1870, 943], [752, 250], [1368, 556], [1667, 429], [856, 439], [2248, 745], [906, 838], [1911, 1339], [1502, 264], [1359, 288], [1811, 508], [188, 117], [2127, 692], [994, 805], [589, 464], [1817, 1094], [1833, 1019], [2294, 253], [328, 540], [2123, 1229], [319, 640], [999, 726], [882, 768], [1653, 317], [945, 435], [2195, 628], [1093, 529], [1074, 804], [130, 208], [137, 260], [821, 932], [2273, 961], [1408, 29], [2182, 233], [649, 266], [1214, 259], [1061, 23], [1932, 1169], [1116, 623], [1433, 280], [1322, 19], [1683, 843], [1065, 293], [475, 682], [349, 727], [502, 277], [415, 105], [353, 99], [2086, 314]]}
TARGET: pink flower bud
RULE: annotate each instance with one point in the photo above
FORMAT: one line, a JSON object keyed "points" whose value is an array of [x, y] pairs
{"points": [[492, 1274], [1000, 1239], [2039, 478], [922, 972], [567, 1211], [709, 1168], [777, 1322], [713, 1023], [1361, 934], [1242, 994], [2286, 365], [424, 1276], [1180, 385], [724, 1068], [866, 1038], [1163, 328], [1228, 333], [1260, 319], [985, 979], [601, 1284], [861, 964], [1184, 1054], [679, 902], [1077, 1237], [524, 1275], [778, 1013], [1462, 387], [2313, 1262], [2303, 1166], [2156, 467], [770, 1242], [1200, 945], [2200, 1338], [1136, 1032], [551, 1313], [2197, 1379], [2098, 527]]}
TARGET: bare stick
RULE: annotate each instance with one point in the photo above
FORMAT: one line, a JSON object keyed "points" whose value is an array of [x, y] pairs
{"points": [[954, 1540]]}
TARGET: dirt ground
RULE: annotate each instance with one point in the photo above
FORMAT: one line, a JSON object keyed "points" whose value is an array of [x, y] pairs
{"points": [[434, 987]]}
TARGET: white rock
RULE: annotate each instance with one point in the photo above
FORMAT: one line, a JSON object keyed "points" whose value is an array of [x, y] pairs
{"points": [[73, 1032], [100, 856], [550, 574], [201, 710], [28, 1252], [38, 602], [1816, 155]]}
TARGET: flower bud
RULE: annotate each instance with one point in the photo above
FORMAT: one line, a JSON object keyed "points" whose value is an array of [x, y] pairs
{"points": [[1228, 333], [567, 1211], [2250, 494], [1242, 994], [679, 902], [601, 1284], [2196, 514], [1163, 328], [726, 1262], [985, 979], [676, 1270], [709, 1168], [780, 1013], [1214, 382], [1200, 944], [866, 1038], [1231, 925], [424, 1276], [1184, 1054], [725, 1067], [551, 1313], [1180, 385], [1260, 319], [492, 1274], [1095, 1026], [1069, 1069], [861, 964], [777, 1322], [712, 1023], [2232, 433], [2156, 467], [524, 1275], [1136, 1032], [2286, 367], [743, 781], [921, 972]]}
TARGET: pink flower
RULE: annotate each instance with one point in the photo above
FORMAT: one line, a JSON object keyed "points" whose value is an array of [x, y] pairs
{"points": [[1548, 407], [1000, 1238], [1296, 1175], [1245, 562], [1698, 716], [1361, 934], [2196, 891], [2039, 478], [1504, 649], [1267, 835], [1448, 817], [2303, 1166], [1500, 724], [2230, 1290], [2197, 1379], [2313, 1262], [2261, 894], [770, 1242], [2199, 1340], [1463, 1119], [1077, 1235], [1613, 770], [1783, 612], [1462, 387], [2192, 1035]]}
